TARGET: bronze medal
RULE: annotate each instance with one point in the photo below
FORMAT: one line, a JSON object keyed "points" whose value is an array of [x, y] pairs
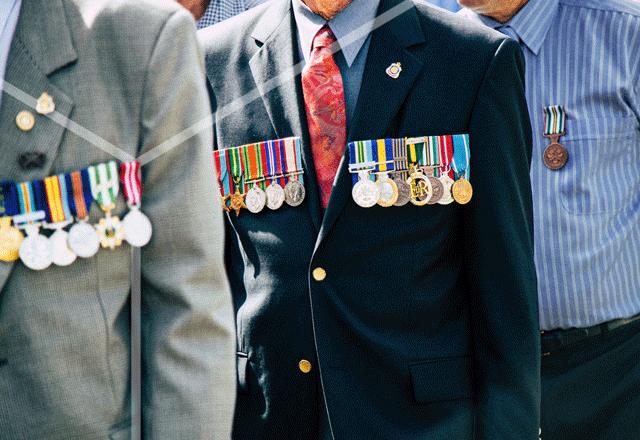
{"points": [[462, 191], [437, 190], [555, 156], [237, 201], [404, 190]]}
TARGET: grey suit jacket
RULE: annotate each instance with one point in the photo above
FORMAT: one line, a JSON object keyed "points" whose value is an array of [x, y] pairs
{"points": [[130, 75]]}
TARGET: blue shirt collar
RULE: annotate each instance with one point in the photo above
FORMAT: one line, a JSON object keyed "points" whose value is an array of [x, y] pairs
{"points": [[351, 26], [531, 23]]}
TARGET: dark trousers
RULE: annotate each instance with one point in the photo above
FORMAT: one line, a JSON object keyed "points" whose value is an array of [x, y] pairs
{"points": [[591, 388]]}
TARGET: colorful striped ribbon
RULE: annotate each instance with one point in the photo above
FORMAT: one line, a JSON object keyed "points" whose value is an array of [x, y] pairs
{"points": [[554, 118], [131, 179]]}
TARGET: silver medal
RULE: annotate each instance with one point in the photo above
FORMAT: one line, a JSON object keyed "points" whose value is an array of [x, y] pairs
{"points": [[275, 196], [388, 191], [136, 227], [365, 192], [83, 240], [255, 199], [62, 255], [447, 183], [35, 250], [294, 192]]}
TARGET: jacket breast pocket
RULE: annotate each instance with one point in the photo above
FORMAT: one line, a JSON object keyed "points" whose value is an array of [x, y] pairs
{"points": [[602, 173], [442, 379]]}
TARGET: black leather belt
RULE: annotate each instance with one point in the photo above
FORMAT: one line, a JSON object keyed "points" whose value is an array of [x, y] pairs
{"points": [[555, 339]]}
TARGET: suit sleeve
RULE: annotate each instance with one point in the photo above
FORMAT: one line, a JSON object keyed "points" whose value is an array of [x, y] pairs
{"points": [[498, 235], [188, 343]]}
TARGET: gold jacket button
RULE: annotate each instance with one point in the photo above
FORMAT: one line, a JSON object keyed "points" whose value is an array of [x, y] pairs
{"points": [[319, 274], [304, 365]]}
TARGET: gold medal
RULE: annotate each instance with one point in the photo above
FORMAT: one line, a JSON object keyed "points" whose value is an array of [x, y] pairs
{"points": [[10, 239], [25, 120], [237, 201], [420, 187], [462, 191], [388, 190]]}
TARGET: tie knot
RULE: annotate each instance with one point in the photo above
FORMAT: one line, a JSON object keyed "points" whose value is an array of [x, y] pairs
{"points": [[324, 38]]}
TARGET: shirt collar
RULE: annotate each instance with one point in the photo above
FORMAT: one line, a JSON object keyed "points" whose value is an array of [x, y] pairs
{"points": [[531, 23], [351, 26]]}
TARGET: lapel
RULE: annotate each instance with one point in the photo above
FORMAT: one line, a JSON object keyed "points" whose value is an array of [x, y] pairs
{"points": [[276, 71], [380, 95], [41, 45]]}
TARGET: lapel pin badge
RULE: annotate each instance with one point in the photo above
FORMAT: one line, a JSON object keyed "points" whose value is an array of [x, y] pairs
{"points": [[45, 104], [25, 120], [394, 70]]}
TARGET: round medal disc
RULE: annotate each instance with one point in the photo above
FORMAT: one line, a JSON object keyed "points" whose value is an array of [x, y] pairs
{"points": [[555, 156], [447, 197], [294, 192], [404, 192], [36, 252], [83, 240], [255, 199], [137, 228], [365, 193], [62, 255], [275, 196], [462, 191], [437, 189], [388, 192], [10, 239], [420, 189]]}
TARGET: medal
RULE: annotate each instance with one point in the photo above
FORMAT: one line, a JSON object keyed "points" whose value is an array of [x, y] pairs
{"points": [[58, 215], [10, 237], [104, 188], [400, 166], [447, 196], [444, 172], [555, 156], [421, 189], [364, 192], [275, 192], [255, 199], [431, 161], [224, 180], [383, 156], [135, 225], [83, 239], [236, 200], [35, 250], [461, 189], [294, 192]]}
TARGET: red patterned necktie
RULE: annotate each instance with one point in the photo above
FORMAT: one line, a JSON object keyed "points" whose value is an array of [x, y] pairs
{"points": [[324, 103]]}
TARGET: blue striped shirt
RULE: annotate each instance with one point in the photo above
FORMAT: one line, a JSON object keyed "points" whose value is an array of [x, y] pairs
{"points": [[585, 56]]}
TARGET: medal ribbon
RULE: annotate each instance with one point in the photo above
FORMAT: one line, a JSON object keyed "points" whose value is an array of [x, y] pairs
{"points": [[445, 154], [8, 199], [251, 157], [416, 150], [131, 179], [298, 149], [361, 157], [430, 152], [262, 156], [461, 155], [236, 167], [554, 118], [222, 172], [292, 156], [57, 201], [383, 155], [272, 158], [31, 201], [79, 193], [104, 184], [399, 150]]}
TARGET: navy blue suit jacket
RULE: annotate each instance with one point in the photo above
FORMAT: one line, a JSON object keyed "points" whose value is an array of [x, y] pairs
{"points": [[426, 324]]}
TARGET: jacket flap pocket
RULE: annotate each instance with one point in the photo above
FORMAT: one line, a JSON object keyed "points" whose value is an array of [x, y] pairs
{"points": [[443, 379]]}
